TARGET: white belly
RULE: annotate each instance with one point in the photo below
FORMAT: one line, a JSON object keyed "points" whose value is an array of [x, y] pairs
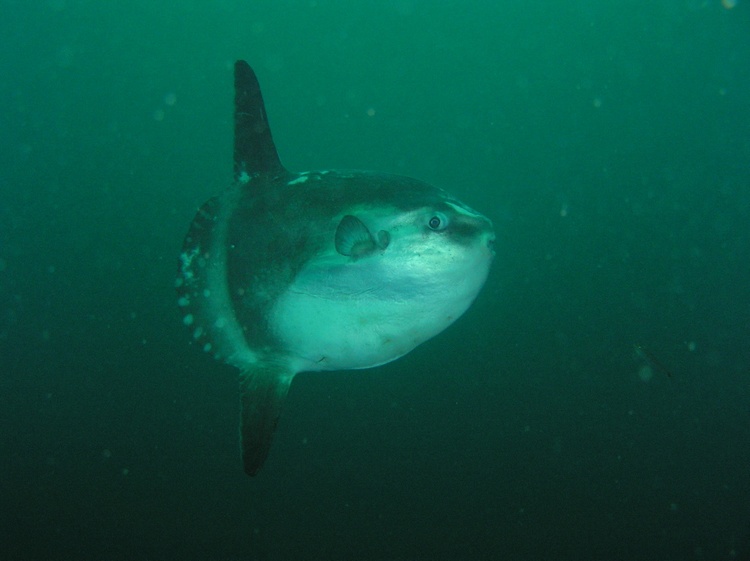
{"points": [[354, 317]]}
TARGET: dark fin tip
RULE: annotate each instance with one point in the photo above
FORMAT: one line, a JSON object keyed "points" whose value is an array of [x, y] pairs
{"points": [[254, 150], [263, 392]]}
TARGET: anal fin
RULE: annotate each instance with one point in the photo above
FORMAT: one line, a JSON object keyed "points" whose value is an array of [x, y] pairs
{"points": [[263, 391]]}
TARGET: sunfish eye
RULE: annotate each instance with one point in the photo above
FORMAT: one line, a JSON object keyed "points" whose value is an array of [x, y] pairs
{"points": [[438, 222]]}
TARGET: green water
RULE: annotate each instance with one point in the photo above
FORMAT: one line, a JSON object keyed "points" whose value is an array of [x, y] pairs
{"points": [[608, 141]]}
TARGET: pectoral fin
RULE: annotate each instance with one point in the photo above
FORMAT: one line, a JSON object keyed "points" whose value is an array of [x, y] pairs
{"points": [[263, 391], [352, 238]]}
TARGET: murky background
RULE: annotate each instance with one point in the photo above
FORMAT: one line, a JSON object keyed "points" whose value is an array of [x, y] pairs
{"points": [[593, 404]]}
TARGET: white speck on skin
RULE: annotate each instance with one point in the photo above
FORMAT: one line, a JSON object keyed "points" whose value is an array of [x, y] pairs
{"points": [[221, 323], [197, 333], [188, 319], [184, 301], [207, 347], [244, 177], [186, 259], [300, 179]]}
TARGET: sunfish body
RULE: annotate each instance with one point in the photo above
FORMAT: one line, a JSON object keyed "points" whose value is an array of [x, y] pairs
{"points": [[330, 270]]}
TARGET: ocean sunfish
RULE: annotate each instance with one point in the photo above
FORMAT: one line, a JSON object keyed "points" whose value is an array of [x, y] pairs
{"points": [[322, 270]]}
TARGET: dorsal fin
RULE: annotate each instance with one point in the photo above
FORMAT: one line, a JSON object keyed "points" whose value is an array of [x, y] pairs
{"points": [[254, 150]]}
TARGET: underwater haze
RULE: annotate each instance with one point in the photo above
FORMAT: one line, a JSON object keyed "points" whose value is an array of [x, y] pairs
{"points": [[592, 404]]}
